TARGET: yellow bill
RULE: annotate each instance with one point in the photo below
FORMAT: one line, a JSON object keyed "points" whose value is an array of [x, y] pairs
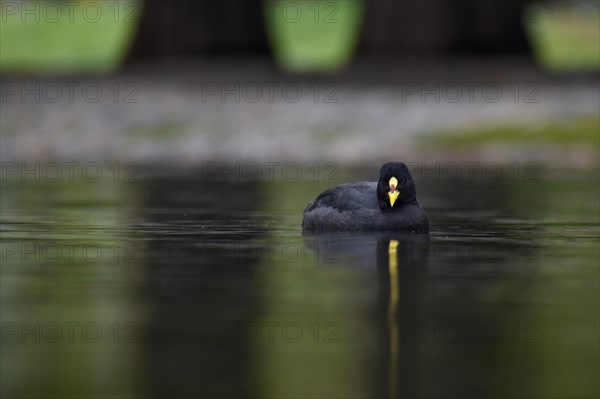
{"points": [[393, 193]]}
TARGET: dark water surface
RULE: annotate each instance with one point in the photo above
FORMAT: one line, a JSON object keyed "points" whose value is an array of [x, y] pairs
{"points": [[181, 287]]}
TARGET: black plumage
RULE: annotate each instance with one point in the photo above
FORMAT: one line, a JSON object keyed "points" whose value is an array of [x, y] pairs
{"points": [[366, 206]]}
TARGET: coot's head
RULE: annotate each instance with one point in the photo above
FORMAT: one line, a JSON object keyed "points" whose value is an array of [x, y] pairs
{"points": [[395, 186]]}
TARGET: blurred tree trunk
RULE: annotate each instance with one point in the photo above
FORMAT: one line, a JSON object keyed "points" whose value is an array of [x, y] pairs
{"points": [[191, 27], [478, 27]]}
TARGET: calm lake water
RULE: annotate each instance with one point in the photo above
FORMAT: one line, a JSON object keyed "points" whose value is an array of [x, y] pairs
{"points": [[186, 285]]}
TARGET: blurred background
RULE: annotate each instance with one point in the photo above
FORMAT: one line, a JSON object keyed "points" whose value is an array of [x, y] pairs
{"points": [[300, 80], [180, 142]]}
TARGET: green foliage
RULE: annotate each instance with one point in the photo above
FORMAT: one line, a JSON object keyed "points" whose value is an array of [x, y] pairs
{"points": [[581, 131], [565, 36], [72, 39], [314, 36]]}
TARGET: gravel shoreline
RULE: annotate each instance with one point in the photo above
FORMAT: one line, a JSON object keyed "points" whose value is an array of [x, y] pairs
{"points": [[195, 112]]}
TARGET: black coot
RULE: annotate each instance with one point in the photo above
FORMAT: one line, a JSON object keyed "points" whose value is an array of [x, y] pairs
{"points": [[387, 205]]}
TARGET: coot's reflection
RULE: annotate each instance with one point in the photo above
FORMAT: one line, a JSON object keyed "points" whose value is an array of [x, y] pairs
{"points": [[402, 265], [430, 290], [400, 261]]}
